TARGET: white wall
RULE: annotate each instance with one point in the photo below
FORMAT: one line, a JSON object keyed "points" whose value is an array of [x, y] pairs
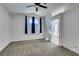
{"points": [[18, 29], [4, 28], [47, 25], [71, 29]]}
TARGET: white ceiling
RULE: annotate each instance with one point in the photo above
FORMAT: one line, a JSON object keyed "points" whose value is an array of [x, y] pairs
{"points": [[20, 8]]}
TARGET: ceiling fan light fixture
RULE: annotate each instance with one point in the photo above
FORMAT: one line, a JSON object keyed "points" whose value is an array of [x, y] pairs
{"points": [[36, 9]]}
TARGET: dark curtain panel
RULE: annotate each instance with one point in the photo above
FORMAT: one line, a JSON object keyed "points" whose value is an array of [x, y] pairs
{"points": [[25, 24], [33, 24], [40, 25]]}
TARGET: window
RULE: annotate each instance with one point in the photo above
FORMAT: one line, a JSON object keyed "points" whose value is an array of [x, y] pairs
{"points": [[36, 21], [35, 25]]}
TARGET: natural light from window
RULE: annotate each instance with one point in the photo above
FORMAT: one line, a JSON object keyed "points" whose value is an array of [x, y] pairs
{"points": [[36, 21]]}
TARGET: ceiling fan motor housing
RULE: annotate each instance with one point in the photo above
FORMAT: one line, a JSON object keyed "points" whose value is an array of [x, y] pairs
{"points": [[36, 5]]}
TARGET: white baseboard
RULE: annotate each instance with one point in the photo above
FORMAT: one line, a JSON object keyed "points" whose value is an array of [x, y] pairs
{"points": [[70, 49], [5, 45], [26, 40]]}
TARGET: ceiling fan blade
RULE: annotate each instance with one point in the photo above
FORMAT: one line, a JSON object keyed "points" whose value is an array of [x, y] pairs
{"points": [[42, 6], [30, 6]]}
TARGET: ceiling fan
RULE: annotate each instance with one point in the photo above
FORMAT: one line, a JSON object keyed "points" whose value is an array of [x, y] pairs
{"points": [[36, 5]]}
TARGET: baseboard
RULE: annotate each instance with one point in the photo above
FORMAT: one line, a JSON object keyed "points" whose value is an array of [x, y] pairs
{"points": [[69, 50], [4, 46], [28, 40]]}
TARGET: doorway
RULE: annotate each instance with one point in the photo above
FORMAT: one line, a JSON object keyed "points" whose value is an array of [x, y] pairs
{"points": [[55, 31]]}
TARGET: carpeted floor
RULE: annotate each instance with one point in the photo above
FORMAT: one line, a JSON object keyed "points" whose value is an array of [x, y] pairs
{"points": [[35, 48]]}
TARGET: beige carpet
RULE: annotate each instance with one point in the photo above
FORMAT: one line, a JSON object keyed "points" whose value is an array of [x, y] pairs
{"points": [[35, 48]]}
